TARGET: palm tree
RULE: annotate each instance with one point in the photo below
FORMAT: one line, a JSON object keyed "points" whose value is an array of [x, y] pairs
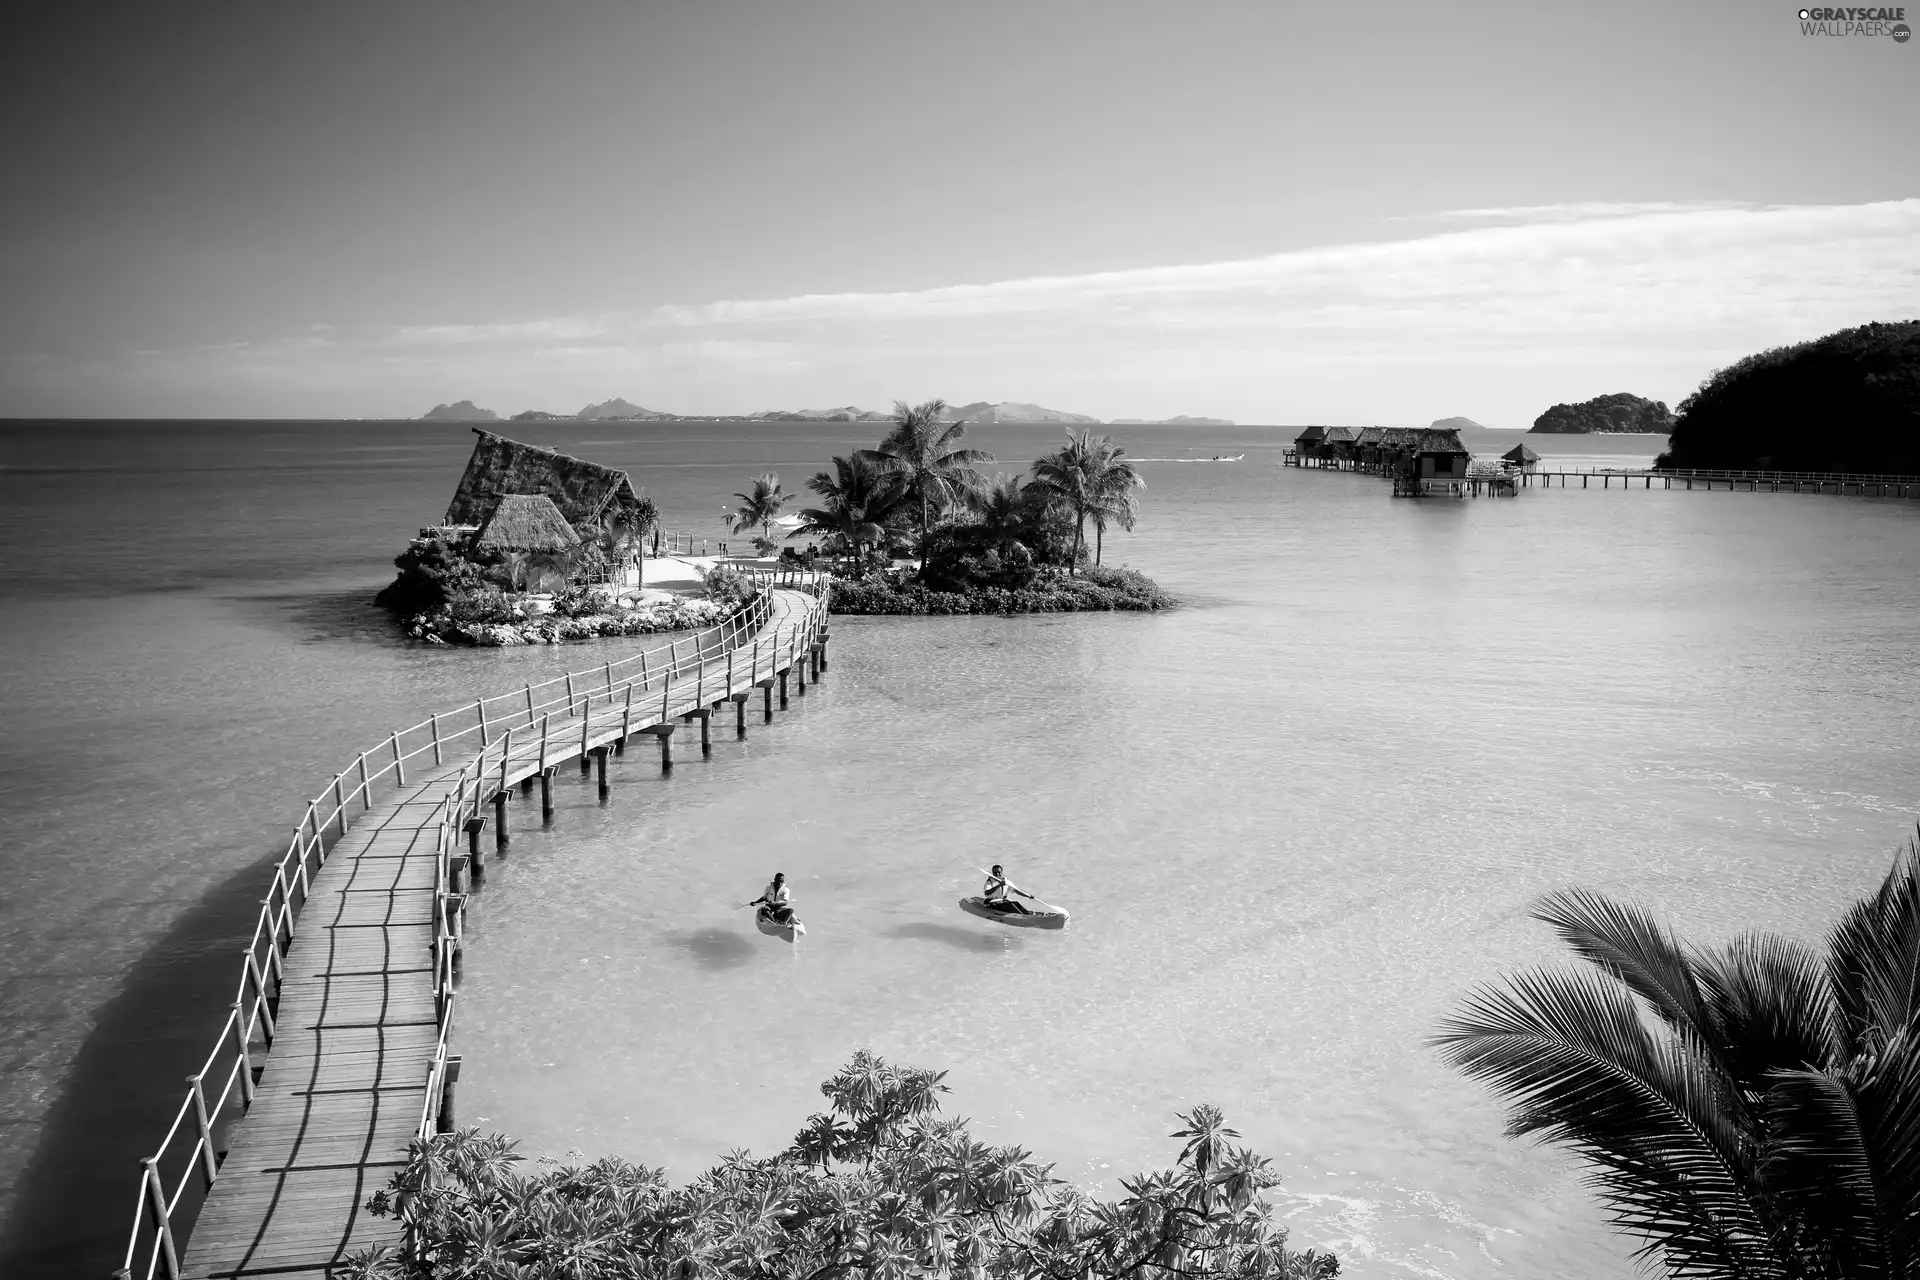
{"points": [[1752, 1112], [926, 454], [861, 502], [760, 506], [1001, 511], [1094, 480]]}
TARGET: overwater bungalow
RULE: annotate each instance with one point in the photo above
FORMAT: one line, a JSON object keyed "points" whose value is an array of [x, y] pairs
{"points": [[1337, 447], [1520, 458], [1306, 445]]}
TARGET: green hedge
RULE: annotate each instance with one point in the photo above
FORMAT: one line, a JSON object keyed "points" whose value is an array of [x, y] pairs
{"points": [[1096, 589]]}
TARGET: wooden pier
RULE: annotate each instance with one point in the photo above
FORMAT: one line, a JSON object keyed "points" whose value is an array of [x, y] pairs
{"points": [[1509, 481], [335, 1053]]}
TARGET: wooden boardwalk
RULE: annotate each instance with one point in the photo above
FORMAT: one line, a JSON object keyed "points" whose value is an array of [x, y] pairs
{"points": [[357, 1003]]}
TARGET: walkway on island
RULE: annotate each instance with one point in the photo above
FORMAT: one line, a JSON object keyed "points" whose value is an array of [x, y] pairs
{"points": [[356, 1006]]}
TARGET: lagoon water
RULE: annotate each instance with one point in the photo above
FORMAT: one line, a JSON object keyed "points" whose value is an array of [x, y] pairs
{"points": [[1296, 820]]}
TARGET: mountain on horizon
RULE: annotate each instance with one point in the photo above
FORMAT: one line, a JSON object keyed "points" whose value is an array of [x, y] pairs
{"points": [[845, 413], [1182, 420], [1455, 424], [1011, 411], [617, 408], [459, 411]]}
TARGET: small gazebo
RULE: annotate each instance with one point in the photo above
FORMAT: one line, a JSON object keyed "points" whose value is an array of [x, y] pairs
{"points": [[521, 522], [1519, 458]]}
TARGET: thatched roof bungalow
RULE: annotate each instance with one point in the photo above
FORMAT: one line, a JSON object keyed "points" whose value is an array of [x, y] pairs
{"points": [[1520, 457], [525, 522], [581, 492], [1309, 440]]}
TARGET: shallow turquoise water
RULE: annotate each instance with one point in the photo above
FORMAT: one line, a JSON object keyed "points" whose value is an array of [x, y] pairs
{"points": [[1295, 820]]}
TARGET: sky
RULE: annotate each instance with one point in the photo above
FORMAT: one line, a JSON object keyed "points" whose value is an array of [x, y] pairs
{"points": [[1271, 212]]}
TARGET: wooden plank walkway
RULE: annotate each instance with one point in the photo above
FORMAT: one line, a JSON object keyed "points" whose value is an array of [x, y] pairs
{"points": [[361, 998]]}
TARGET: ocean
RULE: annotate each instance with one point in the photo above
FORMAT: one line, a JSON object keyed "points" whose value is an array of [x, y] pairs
{"points": [[1296, 820]]}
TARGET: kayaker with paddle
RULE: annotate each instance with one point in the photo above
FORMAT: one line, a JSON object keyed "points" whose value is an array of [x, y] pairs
{"points": [[778, 899], [997, 891]]}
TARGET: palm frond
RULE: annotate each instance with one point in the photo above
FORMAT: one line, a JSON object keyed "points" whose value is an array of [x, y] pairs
{"points": [[1875, 950], [1573, 1054]]}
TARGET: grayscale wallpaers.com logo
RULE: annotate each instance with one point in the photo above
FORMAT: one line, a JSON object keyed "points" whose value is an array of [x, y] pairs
{"points": [[1856, 22]]}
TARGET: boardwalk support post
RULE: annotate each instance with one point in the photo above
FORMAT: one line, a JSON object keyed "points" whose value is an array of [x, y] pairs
{"points": [[157, 1208], [246, 1055], [209, 1166], [600, 765], [443, 1122], [740, 715], [546, 795], [783, 691], [474, 826], [500, 838], [766, 702]]}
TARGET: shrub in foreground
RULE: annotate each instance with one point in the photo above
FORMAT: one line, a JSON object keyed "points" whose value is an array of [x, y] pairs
{"points": [[881, 1186]]}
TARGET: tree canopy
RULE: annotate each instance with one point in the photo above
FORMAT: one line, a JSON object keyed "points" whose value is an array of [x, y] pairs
{"points": [[880, 1187], [1752, 1113], [1847, 402]]}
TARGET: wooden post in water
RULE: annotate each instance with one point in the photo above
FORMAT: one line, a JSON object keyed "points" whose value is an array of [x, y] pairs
{"points": [[500, 837], [626, 723], [783, 691], [529, 702], [473, 826], [546, 795], [766, 701], [586, 724], [481, 708], [600, 764], [739, 701], [434, 720], [800, 667]]}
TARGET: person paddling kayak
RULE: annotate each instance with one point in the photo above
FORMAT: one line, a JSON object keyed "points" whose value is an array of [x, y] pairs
{"points": [[778, 899], [998, 890]]}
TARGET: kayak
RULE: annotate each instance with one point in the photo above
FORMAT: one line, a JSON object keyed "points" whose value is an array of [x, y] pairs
{"points": [[1040, 916], [765, 923]]}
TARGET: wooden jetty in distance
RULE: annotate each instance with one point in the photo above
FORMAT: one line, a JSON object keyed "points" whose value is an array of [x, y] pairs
{"points": [[1510, 480], [334, 1056]]}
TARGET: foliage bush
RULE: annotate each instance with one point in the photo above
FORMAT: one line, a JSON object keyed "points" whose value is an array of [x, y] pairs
{"points": [[727, 584], [576, 601], [432, 572], [1048, 591], [881, 1186], [485, 603]]}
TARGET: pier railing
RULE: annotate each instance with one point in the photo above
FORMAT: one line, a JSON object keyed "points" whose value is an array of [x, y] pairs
{"points": [[175, 1179]]}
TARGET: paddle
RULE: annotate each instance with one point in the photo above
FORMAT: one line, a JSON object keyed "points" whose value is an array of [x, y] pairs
{"points": [[1017, 889]]}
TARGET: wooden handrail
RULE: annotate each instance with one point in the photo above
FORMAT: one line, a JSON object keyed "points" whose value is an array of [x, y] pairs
{"points": [[262, 961]]}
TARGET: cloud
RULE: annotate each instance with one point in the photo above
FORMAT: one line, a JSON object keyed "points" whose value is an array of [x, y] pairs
{"points": [[1499, 311]]}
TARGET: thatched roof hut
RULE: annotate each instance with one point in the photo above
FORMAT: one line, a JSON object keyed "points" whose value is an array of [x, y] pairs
{"points": [[1520, 456], [1310, 437], [582, 492], [1338, 435], [525, 522]]}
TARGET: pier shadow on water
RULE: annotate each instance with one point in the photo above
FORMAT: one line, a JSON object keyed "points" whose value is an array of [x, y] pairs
{"points": [[956, 937], [80, 1187]]}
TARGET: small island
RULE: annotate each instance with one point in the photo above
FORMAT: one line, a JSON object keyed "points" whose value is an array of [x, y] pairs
{"points": [[539, 547], [1620, 411], [1848, 402], [459, 411]]}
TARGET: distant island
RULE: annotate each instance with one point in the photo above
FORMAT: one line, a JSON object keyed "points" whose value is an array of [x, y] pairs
{"points": [[459, 411], [980, 411], [1847, 402], [1455, 424], [1620, 411]]}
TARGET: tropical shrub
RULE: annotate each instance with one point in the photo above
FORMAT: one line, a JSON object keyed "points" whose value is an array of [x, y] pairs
{"points": [[432, 571], [1751, 1111], [727, 584], [484, 603], [1050, 590], [879, 1186]]}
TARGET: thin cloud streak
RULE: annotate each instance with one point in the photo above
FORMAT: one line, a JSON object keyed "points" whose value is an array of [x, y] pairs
{"points": [[1507, 318]]}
